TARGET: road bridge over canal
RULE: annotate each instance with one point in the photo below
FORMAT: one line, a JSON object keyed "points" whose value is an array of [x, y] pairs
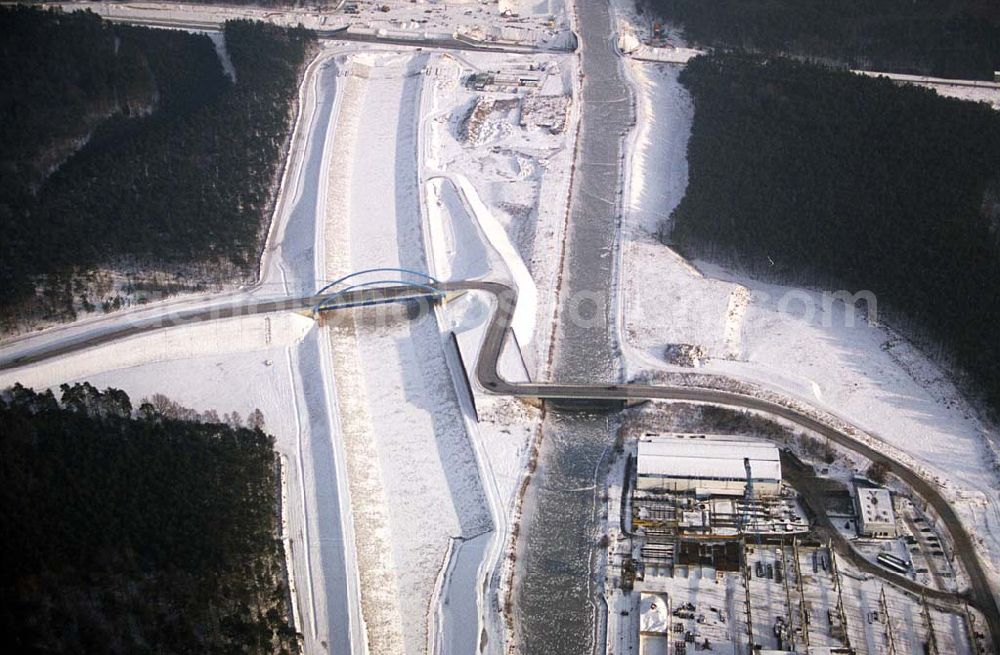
{"points": [[339, 296]]}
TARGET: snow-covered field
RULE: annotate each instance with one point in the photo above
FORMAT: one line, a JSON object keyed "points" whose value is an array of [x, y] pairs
{"points": [[797, 342]]}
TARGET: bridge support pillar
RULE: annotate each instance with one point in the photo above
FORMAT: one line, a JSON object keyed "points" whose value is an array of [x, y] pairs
{"points": [[585, 405]]}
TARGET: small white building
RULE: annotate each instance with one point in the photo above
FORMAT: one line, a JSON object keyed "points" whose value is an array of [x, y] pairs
{"points": [[875, 515], [707, 465]]}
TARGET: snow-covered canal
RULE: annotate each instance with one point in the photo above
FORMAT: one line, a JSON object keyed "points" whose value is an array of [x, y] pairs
{"points": [[558, 602], [414, 480]]}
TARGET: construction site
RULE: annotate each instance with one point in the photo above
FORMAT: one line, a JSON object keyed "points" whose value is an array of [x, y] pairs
{"points": [[717, 551]]}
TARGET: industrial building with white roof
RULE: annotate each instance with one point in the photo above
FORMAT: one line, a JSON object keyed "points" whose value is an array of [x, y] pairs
{"points": [[707, 465]]}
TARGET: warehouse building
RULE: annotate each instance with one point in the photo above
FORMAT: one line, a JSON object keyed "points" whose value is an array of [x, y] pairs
{"points": [[706, 466]]}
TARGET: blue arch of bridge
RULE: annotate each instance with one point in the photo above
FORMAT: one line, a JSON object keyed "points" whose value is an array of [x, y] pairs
{"points": [[425, 284], [330, 301], [420, 274]]}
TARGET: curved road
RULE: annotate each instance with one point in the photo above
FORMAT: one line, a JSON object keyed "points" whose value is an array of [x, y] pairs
{"points": [[344, 34], [67, 340], [505, 298]]}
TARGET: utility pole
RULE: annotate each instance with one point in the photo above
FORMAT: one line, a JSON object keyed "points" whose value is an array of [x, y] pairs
{"points": [[788, 599], [840, 594], [746, 579], [802, 593], [970, 624], [884, 606], [932, 644]]}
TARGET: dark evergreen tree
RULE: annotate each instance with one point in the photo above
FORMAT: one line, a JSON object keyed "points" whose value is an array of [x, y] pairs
{"points": [[951, 38], [136, 535]]}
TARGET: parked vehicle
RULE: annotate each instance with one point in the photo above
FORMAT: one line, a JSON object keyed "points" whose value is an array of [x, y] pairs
{"points": [[893, 563]]}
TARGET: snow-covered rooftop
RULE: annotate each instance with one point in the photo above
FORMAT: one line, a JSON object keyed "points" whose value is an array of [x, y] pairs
{"points": [[653, 616], [703, 457], [875, 505]]}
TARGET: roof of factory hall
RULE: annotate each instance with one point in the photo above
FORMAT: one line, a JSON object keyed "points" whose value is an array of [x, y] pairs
{"points": [[698, 456]]}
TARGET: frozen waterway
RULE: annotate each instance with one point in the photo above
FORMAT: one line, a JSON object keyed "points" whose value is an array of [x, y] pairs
{"points": [[558, 608], [556, 595], [460, 625], [585, 349]]}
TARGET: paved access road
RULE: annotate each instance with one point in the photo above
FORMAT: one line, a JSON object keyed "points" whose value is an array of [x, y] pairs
{"points": [[505, 298], [981, 594], [344, 34]]}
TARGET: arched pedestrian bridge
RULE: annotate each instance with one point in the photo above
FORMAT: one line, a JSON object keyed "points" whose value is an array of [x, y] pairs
{"points": [[377, 286]]}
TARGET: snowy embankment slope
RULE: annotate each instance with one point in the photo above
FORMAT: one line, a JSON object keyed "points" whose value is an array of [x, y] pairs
{"points": [[289, 258], [219, 41], [785, 338], [523, 320], [497, 166]]}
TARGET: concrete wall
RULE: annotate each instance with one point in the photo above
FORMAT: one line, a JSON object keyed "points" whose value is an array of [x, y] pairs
{"points": [[677, 484]]}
